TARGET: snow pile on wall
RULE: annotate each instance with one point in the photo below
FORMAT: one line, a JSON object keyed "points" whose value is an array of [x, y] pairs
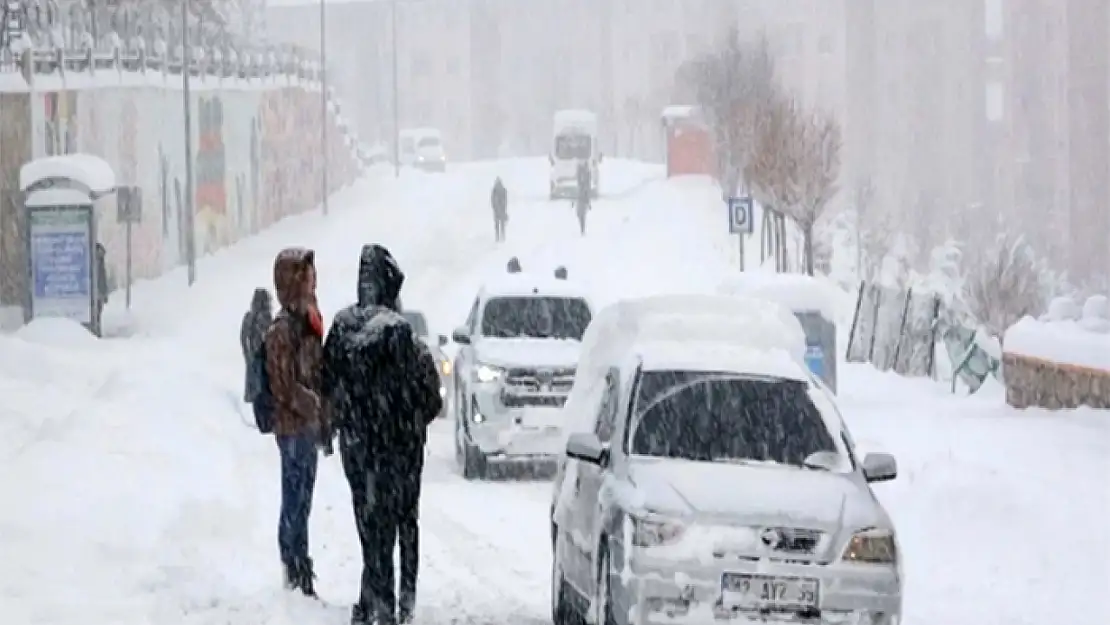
{"points": [[1061, 360]]}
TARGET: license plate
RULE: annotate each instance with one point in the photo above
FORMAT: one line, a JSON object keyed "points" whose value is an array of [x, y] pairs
{"points": [[768, 592]]}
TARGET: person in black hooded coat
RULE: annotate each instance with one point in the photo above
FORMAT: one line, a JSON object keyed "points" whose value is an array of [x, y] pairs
{"points": [[382, 386]]}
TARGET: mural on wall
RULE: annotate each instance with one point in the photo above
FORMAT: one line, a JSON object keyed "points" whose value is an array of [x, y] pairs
{"points": [[212, 220], [60, 108]]}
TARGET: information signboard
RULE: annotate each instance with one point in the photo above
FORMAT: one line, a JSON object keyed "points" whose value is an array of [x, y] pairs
{"points": [[61, 262]]}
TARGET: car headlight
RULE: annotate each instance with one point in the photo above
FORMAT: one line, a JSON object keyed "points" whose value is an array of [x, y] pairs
{"points": [[486, 373], [872, 546], [655, 531], [445, 366]]}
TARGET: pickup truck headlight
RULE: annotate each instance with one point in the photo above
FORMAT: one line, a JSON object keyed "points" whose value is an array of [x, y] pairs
{"points": [[655, 531], [487, 373], [872, 546], [445, 366]]}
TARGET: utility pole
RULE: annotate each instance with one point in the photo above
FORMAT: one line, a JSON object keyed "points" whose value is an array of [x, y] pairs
{"points": [[396, 98], [190, 213], [324, 102]]}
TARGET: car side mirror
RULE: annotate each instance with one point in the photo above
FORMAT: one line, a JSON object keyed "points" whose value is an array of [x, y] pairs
{"points": [[442, 340], [461, 336], [879, 467], [586, 446]]}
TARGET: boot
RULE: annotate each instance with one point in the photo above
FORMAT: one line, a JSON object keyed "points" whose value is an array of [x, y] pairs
{"points": [[305, 578], [359, 615], [406, 606], [289, 576]]}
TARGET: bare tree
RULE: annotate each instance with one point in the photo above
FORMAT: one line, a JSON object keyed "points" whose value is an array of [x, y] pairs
{"points": [[733, 86], [863, 198], [773, 171], [818, 162]]}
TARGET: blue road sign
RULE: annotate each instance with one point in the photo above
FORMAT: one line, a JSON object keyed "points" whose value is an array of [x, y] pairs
{"points": [[740, 218]]}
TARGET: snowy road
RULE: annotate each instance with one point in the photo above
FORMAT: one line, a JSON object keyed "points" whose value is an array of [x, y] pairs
{"points": [[135, 494]]}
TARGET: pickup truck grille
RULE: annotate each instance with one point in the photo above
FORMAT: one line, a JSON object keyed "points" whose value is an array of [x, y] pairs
{"points": [[538, 380], [536, 387]]}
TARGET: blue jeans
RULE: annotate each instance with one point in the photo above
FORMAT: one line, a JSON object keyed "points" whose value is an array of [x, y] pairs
{"points": [[298, 482]]}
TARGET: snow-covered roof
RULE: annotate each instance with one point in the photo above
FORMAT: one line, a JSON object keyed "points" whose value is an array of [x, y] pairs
{"points": [[577, 119], [684, 111], [529, 285], [57, 196], [91, 172], [715, 357]]}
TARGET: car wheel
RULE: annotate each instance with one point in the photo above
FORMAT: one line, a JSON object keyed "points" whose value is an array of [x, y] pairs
{"points": [[469, 456], [603, 589], [562, 612]]}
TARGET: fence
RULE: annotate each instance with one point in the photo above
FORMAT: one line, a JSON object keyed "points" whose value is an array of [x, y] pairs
{"points": [[895, 329]]}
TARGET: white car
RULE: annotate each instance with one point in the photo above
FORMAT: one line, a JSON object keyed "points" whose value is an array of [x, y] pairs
{"points": [[514, 369], [716, 482], [422, 148]]}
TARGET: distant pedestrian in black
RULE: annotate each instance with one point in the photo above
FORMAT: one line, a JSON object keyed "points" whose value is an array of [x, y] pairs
{"points": [[499, 201], [103, 288], [251, 334], [584, 192], [382, 384]]}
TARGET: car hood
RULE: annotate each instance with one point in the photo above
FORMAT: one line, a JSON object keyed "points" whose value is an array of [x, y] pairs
{"points": [[554, 353], [754, 495], [430, 152]]}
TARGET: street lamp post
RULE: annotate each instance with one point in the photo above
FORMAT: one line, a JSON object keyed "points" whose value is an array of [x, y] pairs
{"points": [[324, 102], [190, 213], [396, 98]]}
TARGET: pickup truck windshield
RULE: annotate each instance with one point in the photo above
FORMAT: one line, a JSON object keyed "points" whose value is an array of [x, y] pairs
{"points": [[722, 417], [535, 317], [572, 146]]}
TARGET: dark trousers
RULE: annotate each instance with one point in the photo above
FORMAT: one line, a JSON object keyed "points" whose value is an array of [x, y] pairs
{"points": [[386, 499], [298, 483], [499, 228]]}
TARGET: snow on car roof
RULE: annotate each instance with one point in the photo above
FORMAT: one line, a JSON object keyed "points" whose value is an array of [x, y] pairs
{"points": [[753, 322], [530, 285], [796, 292], [715, 357], [90, 171]]}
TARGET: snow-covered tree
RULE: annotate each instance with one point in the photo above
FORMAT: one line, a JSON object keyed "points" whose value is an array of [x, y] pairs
{"points": [[1004, 282]]}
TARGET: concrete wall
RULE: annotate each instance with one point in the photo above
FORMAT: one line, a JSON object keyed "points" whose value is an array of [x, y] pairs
{"points": [[254, 160]]}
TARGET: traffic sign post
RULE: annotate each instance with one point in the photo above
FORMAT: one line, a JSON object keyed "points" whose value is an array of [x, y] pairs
{"points": [[740, 215]]}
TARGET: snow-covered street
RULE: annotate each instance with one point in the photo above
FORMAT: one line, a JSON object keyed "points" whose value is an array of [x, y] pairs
{"points": [[136, 491]]}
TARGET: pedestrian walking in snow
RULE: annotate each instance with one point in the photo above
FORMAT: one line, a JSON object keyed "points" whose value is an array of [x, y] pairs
{"points": [[582, 199], [499, 201], [383, 386], [252, 331], [294, 358]]}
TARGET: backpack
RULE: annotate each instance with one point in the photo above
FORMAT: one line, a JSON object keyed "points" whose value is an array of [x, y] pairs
{"points": [[263, 402]]}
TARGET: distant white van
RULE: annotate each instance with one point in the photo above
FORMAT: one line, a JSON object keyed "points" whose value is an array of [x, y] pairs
{"points": [[574, 140], [422, 148]]}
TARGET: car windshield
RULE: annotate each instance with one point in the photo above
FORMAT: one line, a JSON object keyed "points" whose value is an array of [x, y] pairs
{"points": [[535, 317], [572, 146], [418, 322], [428, 142], [723, 417]]}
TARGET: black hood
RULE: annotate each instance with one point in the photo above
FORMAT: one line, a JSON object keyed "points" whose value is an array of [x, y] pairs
{"points": [[379, 278]]}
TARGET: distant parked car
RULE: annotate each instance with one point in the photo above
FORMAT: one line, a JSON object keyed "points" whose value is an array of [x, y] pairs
{"points": [[420, 324]]}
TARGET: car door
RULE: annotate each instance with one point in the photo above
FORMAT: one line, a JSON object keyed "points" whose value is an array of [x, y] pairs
{"points": [[588, 479]]}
